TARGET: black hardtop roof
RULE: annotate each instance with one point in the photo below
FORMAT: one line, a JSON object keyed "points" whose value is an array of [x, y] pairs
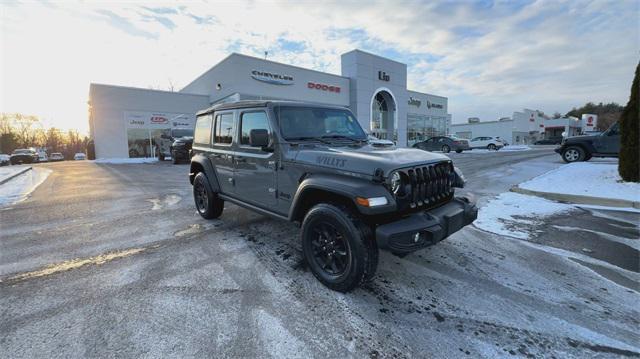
{"points": [[261, 103]]}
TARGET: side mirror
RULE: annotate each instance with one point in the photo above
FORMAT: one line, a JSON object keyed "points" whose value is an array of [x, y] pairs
{"points": [[259, 138]]}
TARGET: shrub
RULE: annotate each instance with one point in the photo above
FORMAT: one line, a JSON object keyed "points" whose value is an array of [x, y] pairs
{"points": [[629, 166]]}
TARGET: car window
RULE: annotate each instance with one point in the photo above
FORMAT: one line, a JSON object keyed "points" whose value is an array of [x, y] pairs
{"points": [[312, 122], [223, 129], [614, 130], [429, 140], [202, 133], [477, 139], [252, 121], [441, 140]]}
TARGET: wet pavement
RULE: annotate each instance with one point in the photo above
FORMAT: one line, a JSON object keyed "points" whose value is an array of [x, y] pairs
{"points": [[113, 260]]}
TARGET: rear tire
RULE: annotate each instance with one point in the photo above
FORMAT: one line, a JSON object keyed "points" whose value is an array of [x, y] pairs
{"points": [[339, 247], [573, 154], [458, 151], [446, 149], [208, 204], [491, 147]]}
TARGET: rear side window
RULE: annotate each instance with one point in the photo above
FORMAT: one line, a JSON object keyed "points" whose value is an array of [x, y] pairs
{"points": [[202, 134], [223, 133], [252, 121]]}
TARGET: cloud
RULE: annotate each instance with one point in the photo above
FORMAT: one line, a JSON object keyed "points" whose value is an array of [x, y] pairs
{"points": [[489, 57]]}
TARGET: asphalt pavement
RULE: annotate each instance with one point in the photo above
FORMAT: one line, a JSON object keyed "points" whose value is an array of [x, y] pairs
{"points": [[106, 260]]}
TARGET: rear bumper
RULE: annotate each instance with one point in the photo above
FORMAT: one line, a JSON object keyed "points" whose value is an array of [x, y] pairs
{"points": [[427, 228]]}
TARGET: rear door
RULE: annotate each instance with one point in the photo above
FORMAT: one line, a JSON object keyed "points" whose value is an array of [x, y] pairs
{"points": [[254, 167], [222, 151]]}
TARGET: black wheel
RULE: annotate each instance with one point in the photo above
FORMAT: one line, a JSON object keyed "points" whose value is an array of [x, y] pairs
{"points": [[208, 204], [446, 149], [491, 147], [458, 151], [160, 156], [587, 157], [573, 154], [339, 248], [174, 159]]}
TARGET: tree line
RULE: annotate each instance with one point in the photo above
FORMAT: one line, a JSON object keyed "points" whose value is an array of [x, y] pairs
{"points": [[25, 131], [608, 113]]}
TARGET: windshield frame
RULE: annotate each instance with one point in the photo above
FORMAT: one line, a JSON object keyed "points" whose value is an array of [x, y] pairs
{"points": [[324, 138]]}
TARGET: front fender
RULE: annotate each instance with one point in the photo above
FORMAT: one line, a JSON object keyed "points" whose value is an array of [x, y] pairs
{"points": [[201, 161], [343, 186]]}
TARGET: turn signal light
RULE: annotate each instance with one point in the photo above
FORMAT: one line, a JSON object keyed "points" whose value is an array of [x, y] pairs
{"points": [[371, 202]]}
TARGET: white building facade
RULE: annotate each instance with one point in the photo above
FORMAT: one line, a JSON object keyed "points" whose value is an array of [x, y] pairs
{"points": [[525, 127], [124, 121]]}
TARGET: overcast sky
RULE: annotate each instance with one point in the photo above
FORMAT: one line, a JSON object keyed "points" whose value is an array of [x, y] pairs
{"points": [[489, 58]]}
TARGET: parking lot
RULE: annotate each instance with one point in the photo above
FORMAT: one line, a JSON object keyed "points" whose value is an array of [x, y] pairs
{"points": [[113, 260]]}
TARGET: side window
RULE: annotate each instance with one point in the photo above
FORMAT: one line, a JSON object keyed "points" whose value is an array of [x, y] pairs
{"points": [[429, 140], [223, 132], [476, 139], [614, 130], [202, 134], [252, 121]]}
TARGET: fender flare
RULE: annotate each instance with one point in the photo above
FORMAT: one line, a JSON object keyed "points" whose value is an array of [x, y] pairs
{"points": [[346, 187], [203, 162]]}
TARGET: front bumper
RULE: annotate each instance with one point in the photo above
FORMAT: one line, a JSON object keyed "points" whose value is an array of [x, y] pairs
{"points": [[426, 228], [558, 150]]}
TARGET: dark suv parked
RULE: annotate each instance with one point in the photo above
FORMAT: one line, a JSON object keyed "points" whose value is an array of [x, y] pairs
{"points": [[582, 148], [313, 165]]}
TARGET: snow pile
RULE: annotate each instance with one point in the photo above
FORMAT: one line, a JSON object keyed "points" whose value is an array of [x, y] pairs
{"points": [[126, 160], [9, 171], [17, 189], [516, 148], [587, 179], [515, 215]]}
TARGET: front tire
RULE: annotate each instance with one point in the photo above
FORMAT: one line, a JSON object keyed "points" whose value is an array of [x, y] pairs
{"points": [[208, 204], [458, 151], [491, 147], [446, 149], [339, 248], [174, 158], [573, 154]]}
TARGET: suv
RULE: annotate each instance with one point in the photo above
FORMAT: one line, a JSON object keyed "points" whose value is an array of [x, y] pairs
{"points": [[312, 165], [166, 139], [582, 148], [490, 143], [180, 149]]}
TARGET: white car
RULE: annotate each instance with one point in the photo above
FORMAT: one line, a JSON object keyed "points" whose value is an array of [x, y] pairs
{"points": [[56, 156], [79, 156], [490, 143]]}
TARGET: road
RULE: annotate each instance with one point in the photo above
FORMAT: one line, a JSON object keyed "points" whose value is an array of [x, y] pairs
{"points": [[112, 260]]}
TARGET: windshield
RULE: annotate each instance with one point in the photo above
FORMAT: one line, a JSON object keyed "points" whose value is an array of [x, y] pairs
{"points": [[21, 151], [182, 133], [317, 122]]}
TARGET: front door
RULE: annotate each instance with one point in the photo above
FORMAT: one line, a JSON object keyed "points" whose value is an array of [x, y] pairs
{"points": [[255, 168], [610, 140], [222, 153]]}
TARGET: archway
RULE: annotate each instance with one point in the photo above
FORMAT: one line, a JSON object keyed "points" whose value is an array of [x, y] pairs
{"points": [[384, 122]]}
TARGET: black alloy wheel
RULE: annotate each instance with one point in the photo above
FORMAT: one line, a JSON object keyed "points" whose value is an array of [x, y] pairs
{"points": [[208, 204], [331, 251], [446, 149]]}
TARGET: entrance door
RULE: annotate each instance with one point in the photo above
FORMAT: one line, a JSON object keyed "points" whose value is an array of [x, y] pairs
{"points": [[255, 167], [222, 153]]}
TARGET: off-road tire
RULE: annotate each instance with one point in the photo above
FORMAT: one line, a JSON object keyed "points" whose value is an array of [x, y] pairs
{"points": [[491, 147], [208, 204], [446, 148], [360, 246], [573, 154], [174, 159]]}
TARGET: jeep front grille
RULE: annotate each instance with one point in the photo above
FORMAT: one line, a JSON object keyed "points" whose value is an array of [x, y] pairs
{"points": [[430, 184]]}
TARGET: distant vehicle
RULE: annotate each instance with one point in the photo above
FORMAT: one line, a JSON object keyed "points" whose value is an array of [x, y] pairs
{"points": [[56, 156], [552, 140], [180, 149], [79, 156], [582, 148], [490, 143], [24, 155], [42, 156], [166, 139], [5, 160], [377, 142], [445, 144]]}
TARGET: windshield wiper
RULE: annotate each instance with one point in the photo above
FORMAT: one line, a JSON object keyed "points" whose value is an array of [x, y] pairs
{"points": [[307, 138], [344, 137]]}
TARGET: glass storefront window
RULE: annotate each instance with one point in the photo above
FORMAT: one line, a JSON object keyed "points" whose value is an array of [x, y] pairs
{"points": [[422, 127]]}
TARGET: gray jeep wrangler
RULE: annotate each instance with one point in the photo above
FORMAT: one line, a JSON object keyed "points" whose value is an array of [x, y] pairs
{"points": [[312, 164]]}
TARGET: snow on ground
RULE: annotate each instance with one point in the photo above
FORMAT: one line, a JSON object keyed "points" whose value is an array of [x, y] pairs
{"points": [[516, 148], [500, 215], [10, 170], [126, 160], [17, 189], [595, 179]]}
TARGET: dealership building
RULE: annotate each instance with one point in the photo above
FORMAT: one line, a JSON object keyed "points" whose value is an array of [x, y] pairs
{"points": [[124, 121]]}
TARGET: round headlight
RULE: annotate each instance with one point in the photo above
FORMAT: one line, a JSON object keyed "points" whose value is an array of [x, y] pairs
{"points": [[395, 182]]}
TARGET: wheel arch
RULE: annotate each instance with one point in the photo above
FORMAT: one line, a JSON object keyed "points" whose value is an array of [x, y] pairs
{"points": [[200, 163]]}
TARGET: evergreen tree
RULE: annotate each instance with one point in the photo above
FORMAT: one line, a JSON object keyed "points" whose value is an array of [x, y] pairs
{"points": [[629, 164]]}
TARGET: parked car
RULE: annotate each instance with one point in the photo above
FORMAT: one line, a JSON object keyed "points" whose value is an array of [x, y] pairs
{"points": [[42, 156], [5, 160], [180, 149], [24, 155], [373, 140], [552, 140], [582, 148], [166, 139], [445, 144], [79, 156], [490, 143], [350, 197], [56, 156]]}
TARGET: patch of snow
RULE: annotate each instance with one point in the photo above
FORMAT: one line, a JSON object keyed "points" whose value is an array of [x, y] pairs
{"points": [[515, 148], [11, 170], [502, 214], [126, 160], [18, 189], [586, 179]]}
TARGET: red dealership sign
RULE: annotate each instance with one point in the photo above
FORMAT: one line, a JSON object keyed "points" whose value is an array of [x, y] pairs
{"points": [[323, 87]]}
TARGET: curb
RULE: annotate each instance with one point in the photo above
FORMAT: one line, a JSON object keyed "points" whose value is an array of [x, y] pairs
{"points": [[579, 199], [13, 175]]}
